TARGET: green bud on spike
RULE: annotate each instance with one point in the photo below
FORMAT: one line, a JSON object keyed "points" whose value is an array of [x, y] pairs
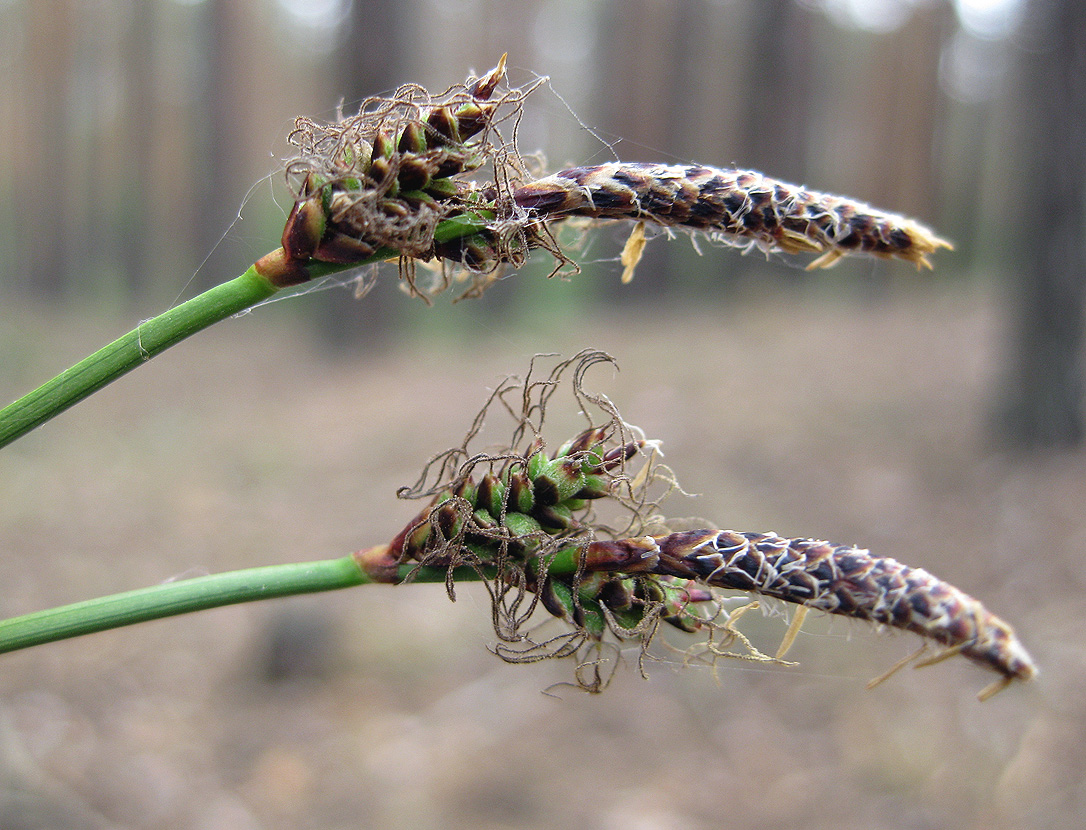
{"points": [[557, 598], [304, 228], [394, 207], [418, 197], [380, 170], [521, 525], [617, 594], [348, 157], [383, 147], [491, 494], [478, 251], [558, 480], [587, 613], [536, 458], [413, 138], [554, 517], [442, 188], [484, 519], [354, 157], [592, 584], [520, 498], [592, 459], [411, 541], [415, 541], [472, 118], [414, 173], [466, 490], [592, 619], [651, 591], [629, 618], [454, 163], [448, 520], [485, 86], [340, 248], [596, 486], [443, 122], [590, 437], [615, 457], [313, 182]]}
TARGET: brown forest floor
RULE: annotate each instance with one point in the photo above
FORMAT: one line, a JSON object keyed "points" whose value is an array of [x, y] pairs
{"points": [[859, 422]]}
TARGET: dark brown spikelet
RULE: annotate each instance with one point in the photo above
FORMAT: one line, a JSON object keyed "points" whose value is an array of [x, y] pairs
{"points": [[743, 206], [839, 579]]}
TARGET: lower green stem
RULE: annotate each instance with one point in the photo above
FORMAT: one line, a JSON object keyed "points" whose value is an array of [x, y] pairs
{"points": [[170, 599], [183, 597]]}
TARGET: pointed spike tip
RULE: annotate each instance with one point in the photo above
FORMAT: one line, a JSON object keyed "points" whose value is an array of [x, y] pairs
{"points": [[483, 88]]}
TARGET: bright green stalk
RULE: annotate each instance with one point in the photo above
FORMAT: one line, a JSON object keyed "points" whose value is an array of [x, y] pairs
{"points": [[158, 334], [170, 599], [129, 351], [185, 596]]}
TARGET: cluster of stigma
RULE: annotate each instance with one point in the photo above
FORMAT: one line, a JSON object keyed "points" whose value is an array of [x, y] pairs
{"points": [[529, 526]]}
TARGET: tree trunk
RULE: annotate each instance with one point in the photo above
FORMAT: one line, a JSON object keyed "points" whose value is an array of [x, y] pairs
{"points": [[371, 60], [1043, 405]]}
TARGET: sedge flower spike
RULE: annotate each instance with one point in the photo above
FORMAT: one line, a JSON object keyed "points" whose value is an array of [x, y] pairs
{"points": [[618, 577], [745, 206], [850, 581], [395, 179], [526, 522]]}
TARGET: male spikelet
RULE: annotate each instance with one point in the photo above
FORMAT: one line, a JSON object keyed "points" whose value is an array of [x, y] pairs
{"points": [[746, 207]]}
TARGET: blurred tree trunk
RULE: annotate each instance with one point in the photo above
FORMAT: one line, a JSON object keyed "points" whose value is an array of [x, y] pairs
{"points": [[779, 87], [1043, 406], [133, 229], [903, 114], [371, 59], [47, 209], [219, 177], [645, 73]]}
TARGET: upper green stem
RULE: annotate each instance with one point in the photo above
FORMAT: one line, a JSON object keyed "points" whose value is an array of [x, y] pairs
{"points": [[158, 334], [129, 351]]}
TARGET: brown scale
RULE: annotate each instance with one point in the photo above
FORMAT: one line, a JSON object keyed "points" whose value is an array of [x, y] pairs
{"points": [[844, 580], [742, 204]]}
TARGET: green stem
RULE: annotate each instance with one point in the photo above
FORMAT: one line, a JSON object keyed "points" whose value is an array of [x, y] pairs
{"points": [[129, 351], [158, 334], [183, 597], [170, 599]]}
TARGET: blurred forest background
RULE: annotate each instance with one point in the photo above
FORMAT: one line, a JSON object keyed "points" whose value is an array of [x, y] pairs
{"points": [[135, 132], [936, 418]]}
